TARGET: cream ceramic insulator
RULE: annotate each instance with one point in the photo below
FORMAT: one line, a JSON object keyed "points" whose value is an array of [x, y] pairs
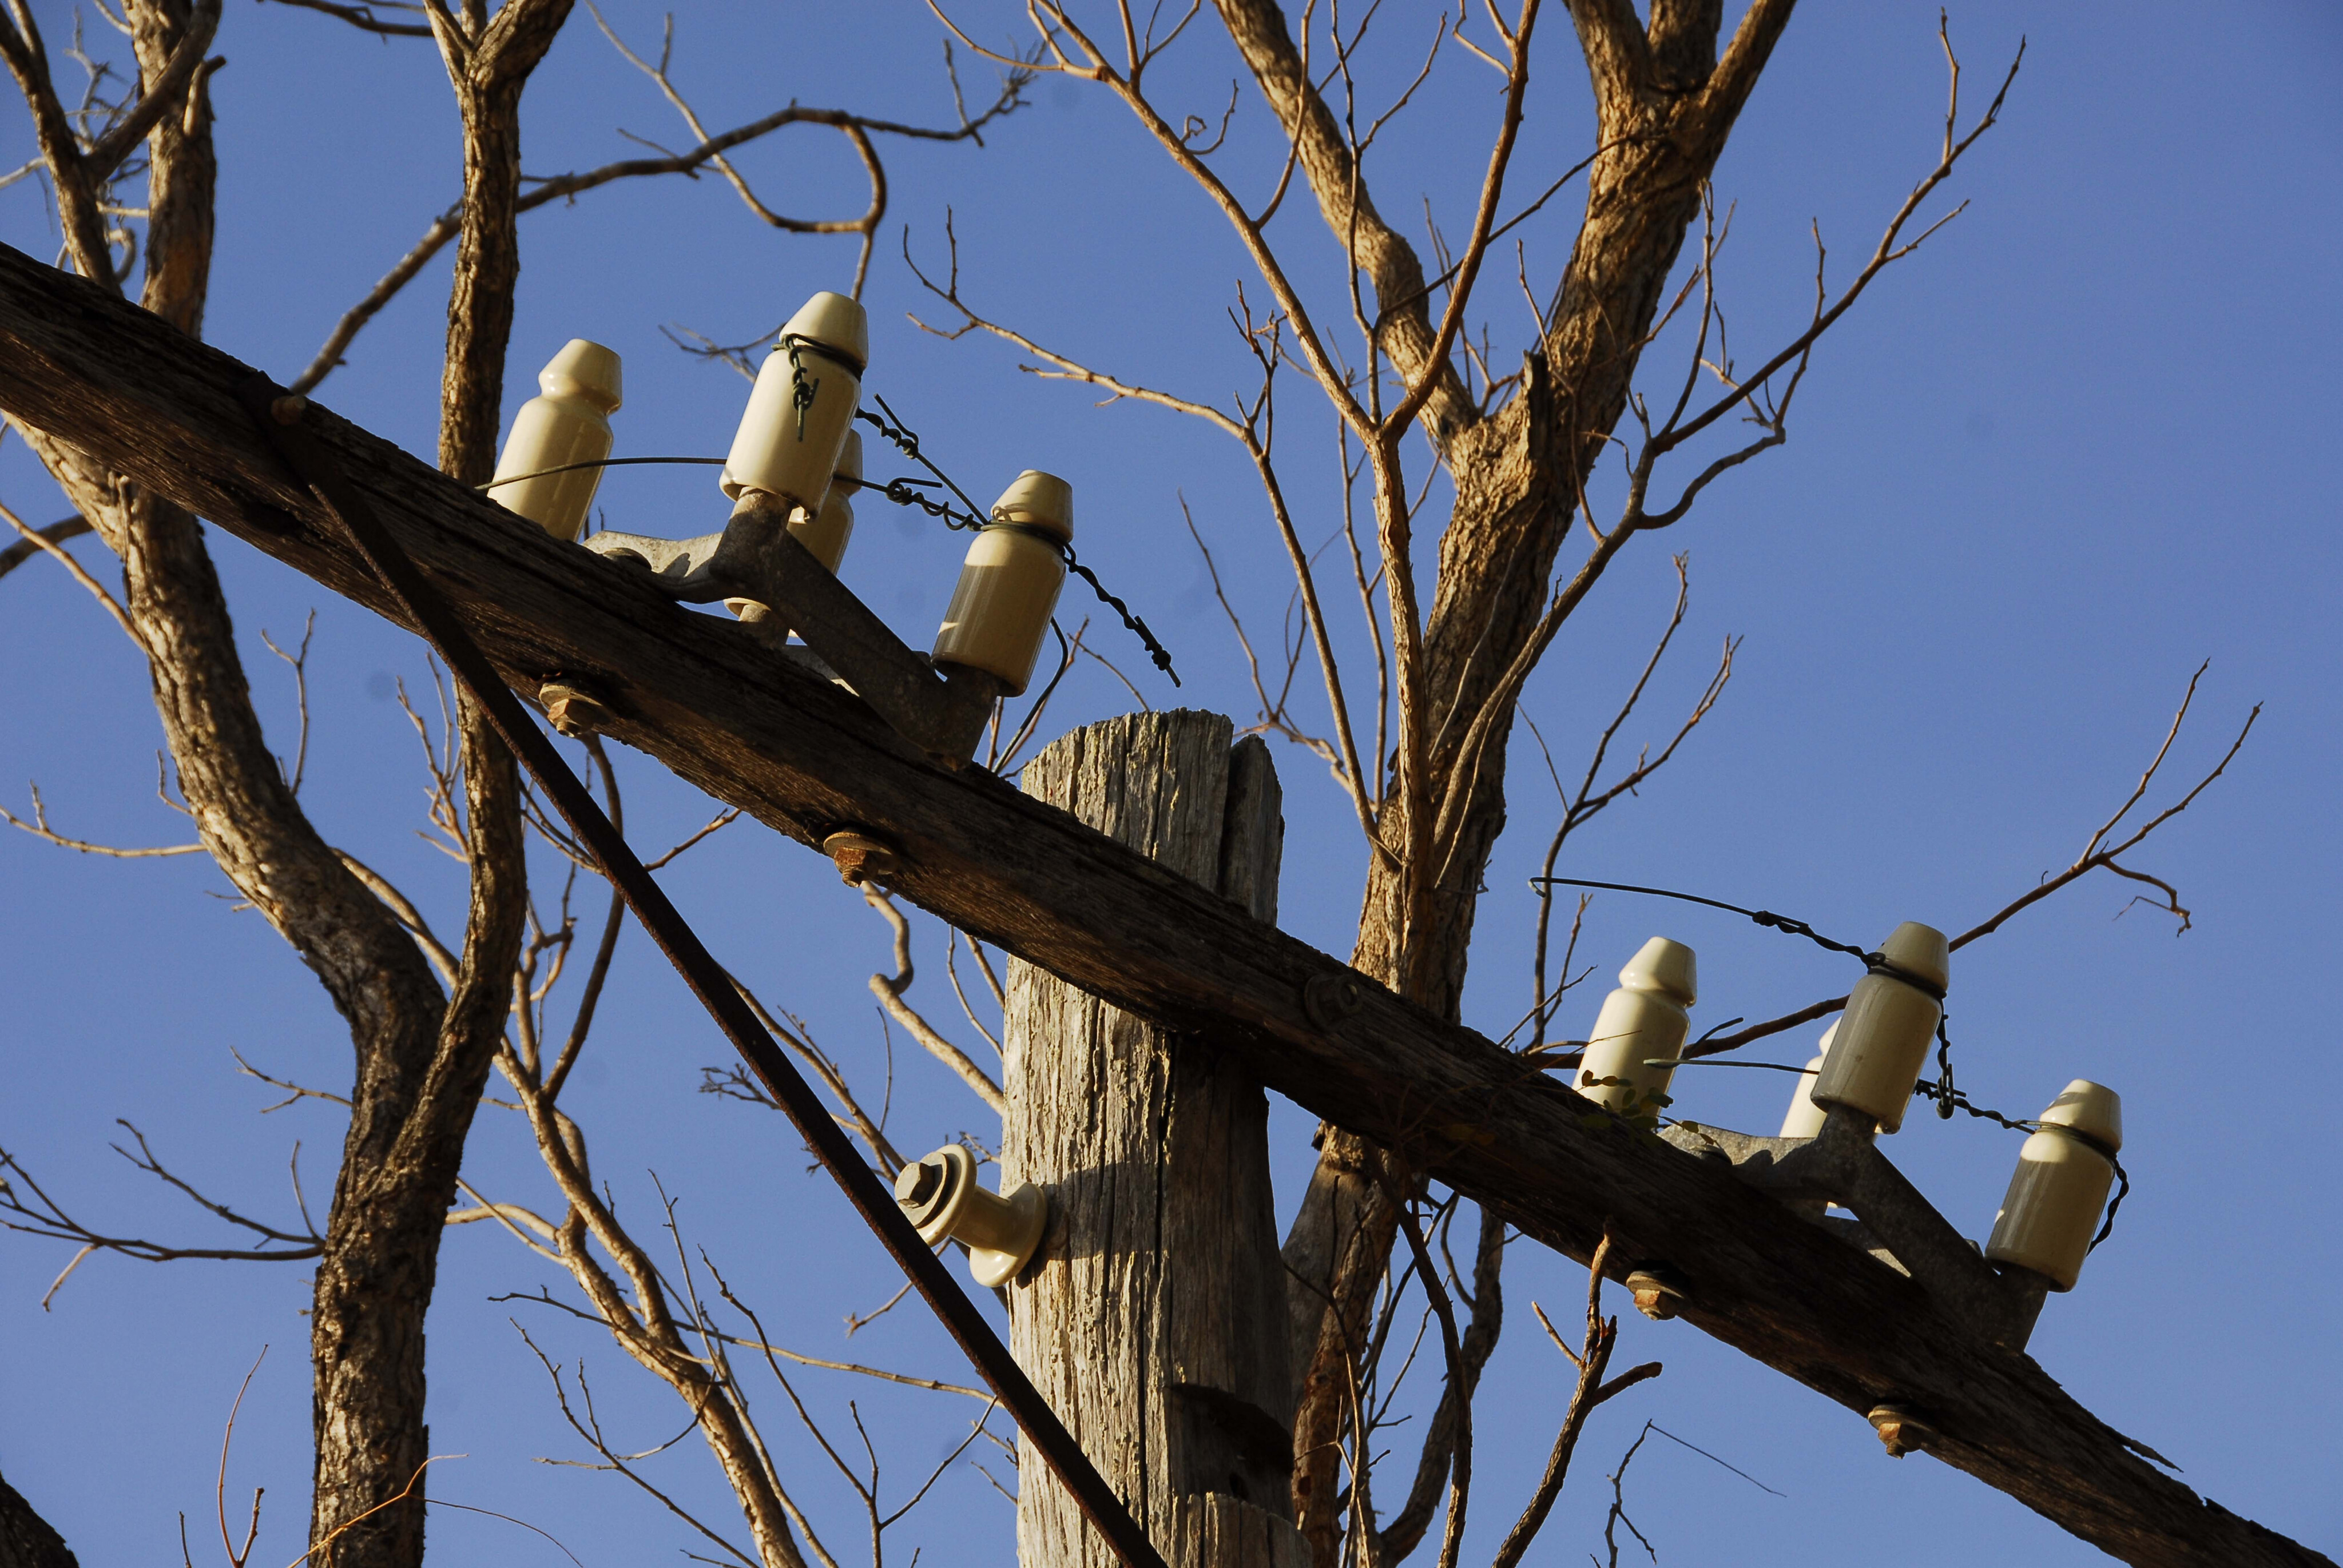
{"points": [[791, 451], [826, 530], [1882, 1036], [568, 421], [1642, 1022], [2052, 1209], [941, 1195], [1001, 608], [1805, 1117]]}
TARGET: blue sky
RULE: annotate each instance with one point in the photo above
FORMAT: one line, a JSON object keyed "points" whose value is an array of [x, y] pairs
{"points": [[2077, 446]]}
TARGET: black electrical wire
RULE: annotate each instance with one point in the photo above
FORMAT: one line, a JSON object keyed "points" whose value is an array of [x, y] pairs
{"points": [[599, 463], [888, 423], [1948, 1095]]}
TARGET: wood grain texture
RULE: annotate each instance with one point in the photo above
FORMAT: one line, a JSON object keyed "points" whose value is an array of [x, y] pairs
{"points": [[742, 722], [1154, 1319], [28, 1540]]}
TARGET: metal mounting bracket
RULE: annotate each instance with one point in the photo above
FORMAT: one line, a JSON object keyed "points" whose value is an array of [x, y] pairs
{"points": [[940, 709], [1893, 1223]]}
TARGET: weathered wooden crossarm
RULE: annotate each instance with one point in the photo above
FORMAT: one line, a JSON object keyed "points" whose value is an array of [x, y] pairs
{"points": [[752, 729]]}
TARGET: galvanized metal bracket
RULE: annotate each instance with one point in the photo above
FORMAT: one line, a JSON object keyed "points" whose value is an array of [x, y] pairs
{"points": [[941, 709], [1894, 1221]]}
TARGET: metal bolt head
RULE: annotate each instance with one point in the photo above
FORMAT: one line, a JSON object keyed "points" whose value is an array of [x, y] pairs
{"points": [[1900, 1431], [1658, 1296], [1328, 999], [920, 1188], [861, 857], [571, 711]]}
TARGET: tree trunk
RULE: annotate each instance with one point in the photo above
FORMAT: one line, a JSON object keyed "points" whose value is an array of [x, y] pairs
{"points": [[1155, 1320], [1664, 104]]}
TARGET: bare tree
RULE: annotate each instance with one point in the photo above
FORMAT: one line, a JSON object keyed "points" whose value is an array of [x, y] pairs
{"points": [[424, 1042], [1396, 348], [1400, 350]]}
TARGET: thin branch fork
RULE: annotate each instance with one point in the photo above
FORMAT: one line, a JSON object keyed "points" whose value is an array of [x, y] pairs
{"points": [[1059, 31], [735, 1082], [45, 1216], [1588, 803], [2098, 855], [890, 992], [50, 541], [1592, 1359], [710, 150], [57, 532], [1885, 254], [39, 828]]}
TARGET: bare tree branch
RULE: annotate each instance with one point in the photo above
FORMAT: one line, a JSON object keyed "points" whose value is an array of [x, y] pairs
{"points": [[1479, 1341], [889, 992], [363, 17], [1592, 1358], [2097, 854], [710, 150], [50, 541], [25, 550], [45, 1216], [39, 828]]}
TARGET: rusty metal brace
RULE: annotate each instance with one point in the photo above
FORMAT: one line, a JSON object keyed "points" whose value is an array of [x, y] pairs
{"points": [[942, 711], [281, 416]]}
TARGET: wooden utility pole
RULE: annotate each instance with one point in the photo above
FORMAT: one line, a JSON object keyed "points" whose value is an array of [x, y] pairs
{"points": [[757, 731], [1154, 1319]]}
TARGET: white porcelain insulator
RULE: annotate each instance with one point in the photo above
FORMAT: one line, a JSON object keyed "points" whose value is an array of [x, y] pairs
{"points": [[1001, 1229], [1805, 1117], [568, 422], [1009, 585], [1882, 1036], [1642, 1023], [2052, 1208], [786, 449], [826, 531]]}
